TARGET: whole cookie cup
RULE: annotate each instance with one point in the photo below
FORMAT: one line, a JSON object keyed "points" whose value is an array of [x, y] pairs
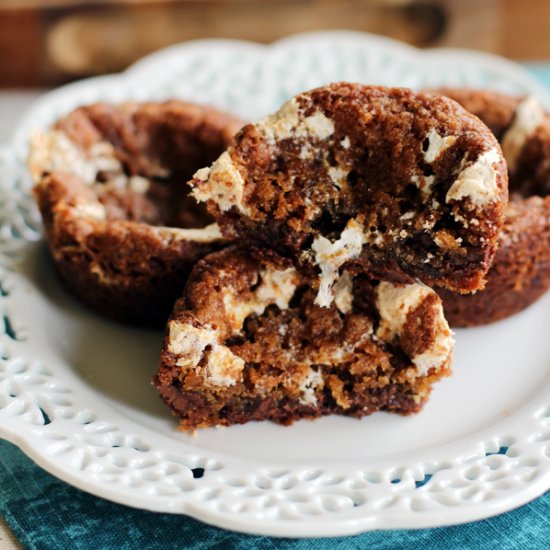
{"points": [[110, 183]]}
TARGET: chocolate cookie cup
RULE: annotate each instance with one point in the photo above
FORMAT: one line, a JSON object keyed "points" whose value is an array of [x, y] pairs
{"points": [[402, 185], [247, 342], [520, 273], [110, 183]]}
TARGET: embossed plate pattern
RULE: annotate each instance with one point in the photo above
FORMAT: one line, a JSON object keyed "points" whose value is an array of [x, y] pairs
{"points": [[75, 392]]}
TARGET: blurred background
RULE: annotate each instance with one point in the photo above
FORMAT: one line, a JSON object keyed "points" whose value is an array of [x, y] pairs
{"points": [[48, 42]]}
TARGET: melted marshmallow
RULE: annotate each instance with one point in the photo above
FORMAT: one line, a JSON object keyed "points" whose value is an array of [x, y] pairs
{"points": [[53, 151], [343, 293], [394, 304], [330, 256], [477, 182], [309, 385], [207, 234], [277, 287], [189, 344], [221, 183], [90, 210], [288, 122], [437, 145], [529, 116], [338, 176]]}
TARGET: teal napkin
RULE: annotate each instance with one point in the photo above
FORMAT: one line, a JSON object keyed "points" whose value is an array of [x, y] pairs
{"points": [[46, 513]]}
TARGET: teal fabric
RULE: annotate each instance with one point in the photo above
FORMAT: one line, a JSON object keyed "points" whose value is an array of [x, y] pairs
{"points": [[46, 513]]}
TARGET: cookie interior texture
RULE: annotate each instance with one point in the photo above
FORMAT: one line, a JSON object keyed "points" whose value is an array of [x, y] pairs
{"points": [[247, 342], [402, 185], [520, 273]]}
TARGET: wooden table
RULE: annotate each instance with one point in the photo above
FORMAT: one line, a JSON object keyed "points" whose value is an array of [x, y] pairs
{"points": [[7, 538]]}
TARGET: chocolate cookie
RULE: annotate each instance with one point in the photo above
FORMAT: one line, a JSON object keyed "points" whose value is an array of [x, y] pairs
{"points": [[520, 273], [523, 130], [247, 342], [110, 182], [402, 185]]}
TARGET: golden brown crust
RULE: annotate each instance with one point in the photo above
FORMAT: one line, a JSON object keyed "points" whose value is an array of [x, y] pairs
{"points": [[110, 185]]}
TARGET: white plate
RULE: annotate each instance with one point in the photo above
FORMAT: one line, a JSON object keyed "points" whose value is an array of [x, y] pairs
{"points": [[75, 392]]}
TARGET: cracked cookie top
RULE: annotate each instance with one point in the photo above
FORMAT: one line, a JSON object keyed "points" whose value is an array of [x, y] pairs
{"points": [[398, 184]]}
